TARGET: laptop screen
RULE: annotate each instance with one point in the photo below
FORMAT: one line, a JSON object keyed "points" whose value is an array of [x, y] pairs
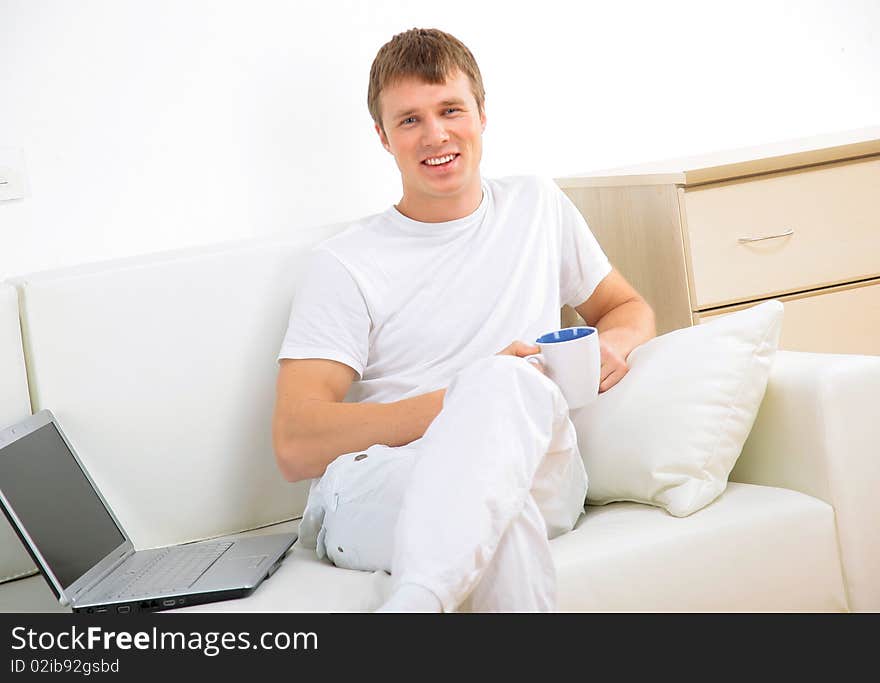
{"points": [[56, 504]]}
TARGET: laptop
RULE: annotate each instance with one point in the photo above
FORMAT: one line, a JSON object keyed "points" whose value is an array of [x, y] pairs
{"points": [[87, 557]]}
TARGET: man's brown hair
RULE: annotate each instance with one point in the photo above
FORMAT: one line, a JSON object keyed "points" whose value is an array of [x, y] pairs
{"points": [[424, 53]]}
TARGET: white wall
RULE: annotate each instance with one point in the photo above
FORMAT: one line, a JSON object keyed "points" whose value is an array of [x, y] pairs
{"points": [[158, 124]]}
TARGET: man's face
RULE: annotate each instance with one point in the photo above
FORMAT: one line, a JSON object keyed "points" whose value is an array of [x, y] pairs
{"points": [[435, 132]]}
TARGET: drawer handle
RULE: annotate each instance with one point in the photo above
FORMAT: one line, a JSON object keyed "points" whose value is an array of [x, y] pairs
{"points": [[743, 240]]}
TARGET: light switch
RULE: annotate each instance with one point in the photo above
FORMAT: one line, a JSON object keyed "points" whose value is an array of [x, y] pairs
{"points": [[11, 173]]}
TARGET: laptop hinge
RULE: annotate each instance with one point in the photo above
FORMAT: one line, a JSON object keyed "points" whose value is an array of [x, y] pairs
{"points": [[85, 590]]}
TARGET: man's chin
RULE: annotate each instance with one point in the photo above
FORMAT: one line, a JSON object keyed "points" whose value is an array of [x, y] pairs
{"points": [[451, 185]]}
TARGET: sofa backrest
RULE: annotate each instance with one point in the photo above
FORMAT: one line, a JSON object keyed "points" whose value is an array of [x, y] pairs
{"points": [[161, 371], [14, 406], [14, 401]]}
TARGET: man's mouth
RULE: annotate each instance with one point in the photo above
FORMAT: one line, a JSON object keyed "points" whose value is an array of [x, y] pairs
{"points": [[440, 161]]}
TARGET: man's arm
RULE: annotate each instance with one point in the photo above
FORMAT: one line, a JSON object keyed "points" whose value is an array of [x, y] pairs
{"points": [[311, 426], [624, 320]]}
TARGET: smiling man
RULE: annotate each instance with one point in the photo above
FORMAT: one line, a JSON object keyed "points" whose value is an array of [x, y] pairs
{"points": [[436, 452], [435, 133]]}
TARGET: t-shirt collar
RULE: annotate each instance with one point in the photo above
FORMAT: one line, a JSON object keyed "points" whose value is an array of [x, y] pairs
{"points": [[414, 227]]}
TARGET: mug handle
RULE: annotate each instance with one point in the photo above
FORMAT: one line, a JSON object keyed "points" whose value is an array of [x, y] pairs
{"points": [[537, 359]]}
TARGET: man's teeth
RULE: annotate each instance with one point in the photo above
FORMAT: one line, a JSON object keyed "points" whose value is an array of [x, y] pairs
{"points": [[440, 160]]}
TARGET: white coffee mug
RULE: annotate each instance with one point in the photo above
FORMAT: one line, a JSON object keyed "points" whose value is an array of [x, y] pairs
{"points": [[571, 358]]}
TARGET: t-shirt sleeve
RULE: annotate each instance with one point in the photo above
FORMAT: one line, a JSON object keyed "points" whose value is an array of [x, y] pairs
{"points": [[328, 317], [583, 263]]}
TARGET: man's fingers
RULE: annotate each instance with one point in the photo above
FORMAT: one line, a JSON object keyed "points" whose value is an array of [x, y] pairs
{"points": [[524, 349], [608, 369], [612, 378]]}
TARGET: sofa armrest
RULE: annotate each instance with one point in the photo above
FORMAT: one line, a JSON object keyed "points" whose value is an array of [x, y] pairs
{"points": [[817, 432]]}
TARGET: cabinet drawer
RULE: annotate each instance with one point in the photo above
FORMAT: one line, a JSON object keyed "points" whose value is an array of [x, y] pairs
{"points": [[838, 321], [832, 210]]}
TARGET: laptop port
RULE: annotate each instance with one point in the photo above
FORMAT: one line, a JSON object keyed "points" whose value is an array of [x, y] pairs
{"points": [[168, 603], [100, 610], [124, 609]]}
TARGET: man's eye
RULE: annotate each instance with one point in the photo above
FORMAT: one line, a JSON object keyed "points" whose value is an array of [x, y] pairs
{"points": [[452, 109], [409, 119]]}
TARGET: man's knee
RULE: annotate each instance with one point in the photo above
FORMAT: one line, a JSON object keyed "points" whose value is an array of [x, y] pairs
{"points": [[358, 499]]}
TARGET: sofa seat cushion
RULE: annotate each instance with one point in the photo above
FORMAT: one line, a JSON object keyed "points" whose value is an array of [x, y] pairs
{"points": [[755, 548]]}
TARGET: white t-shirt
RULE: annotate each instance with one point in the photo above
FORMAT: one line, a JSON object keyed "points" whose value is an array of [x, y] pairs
{"points": [[408, 304]]}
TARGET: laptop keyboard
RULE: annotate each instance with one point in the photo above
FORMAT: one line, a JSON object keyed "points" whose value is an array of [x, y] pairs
{"points": [[174, 570]]}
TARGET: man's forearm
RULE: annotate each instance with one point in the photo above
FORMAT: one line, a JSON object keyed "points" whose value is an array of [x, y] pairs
{"points": [[627, 326], [313, 433]]}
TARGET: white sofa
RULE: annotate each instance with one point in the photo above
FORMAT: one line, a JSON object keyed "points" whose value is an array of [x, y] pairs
{"points": [[161, 370]]}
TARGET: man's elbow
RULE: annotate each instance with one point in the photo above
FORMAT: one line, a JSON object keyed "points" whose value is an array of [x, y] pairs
{"points": [[293, 458], [640, 317]]}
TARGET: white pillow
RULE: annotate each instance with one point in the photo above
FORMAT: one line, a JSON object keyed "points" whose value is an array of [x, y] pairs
{"points": [[669, 433]]}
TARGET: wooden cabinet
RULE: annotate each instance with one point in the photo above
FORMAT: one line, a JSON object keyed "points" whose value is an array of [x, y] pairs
{"points": [[797, 221]]}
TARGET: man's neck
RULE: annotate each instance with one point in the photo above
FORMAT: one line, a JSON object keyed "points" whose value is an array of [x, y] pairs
{"points": [[440, 210]]}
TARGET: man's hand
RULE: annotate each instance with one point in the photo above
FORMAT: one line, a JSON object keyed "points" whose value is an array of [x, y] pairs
{"points": [[521, 350], [624, 320], [614, 366]]}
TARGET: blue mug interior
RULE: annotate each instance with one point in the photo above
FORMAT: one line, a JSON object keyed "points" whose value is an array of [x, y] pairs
{"points": [[565, 334]]}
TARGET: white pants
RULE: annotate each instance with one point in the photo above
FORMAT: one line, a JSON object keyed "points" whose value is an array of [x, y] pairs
{"points": [[467, 510]]}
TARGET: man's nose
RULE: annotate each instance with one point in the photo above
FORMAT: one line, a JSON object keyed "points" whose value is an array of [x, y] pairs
{"points": [[434, 132]]}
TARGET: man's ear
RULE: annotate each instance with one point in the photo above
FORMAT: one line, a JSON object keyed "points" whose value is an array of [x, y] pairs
{"points": [[483, 120], [382, 138]]}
